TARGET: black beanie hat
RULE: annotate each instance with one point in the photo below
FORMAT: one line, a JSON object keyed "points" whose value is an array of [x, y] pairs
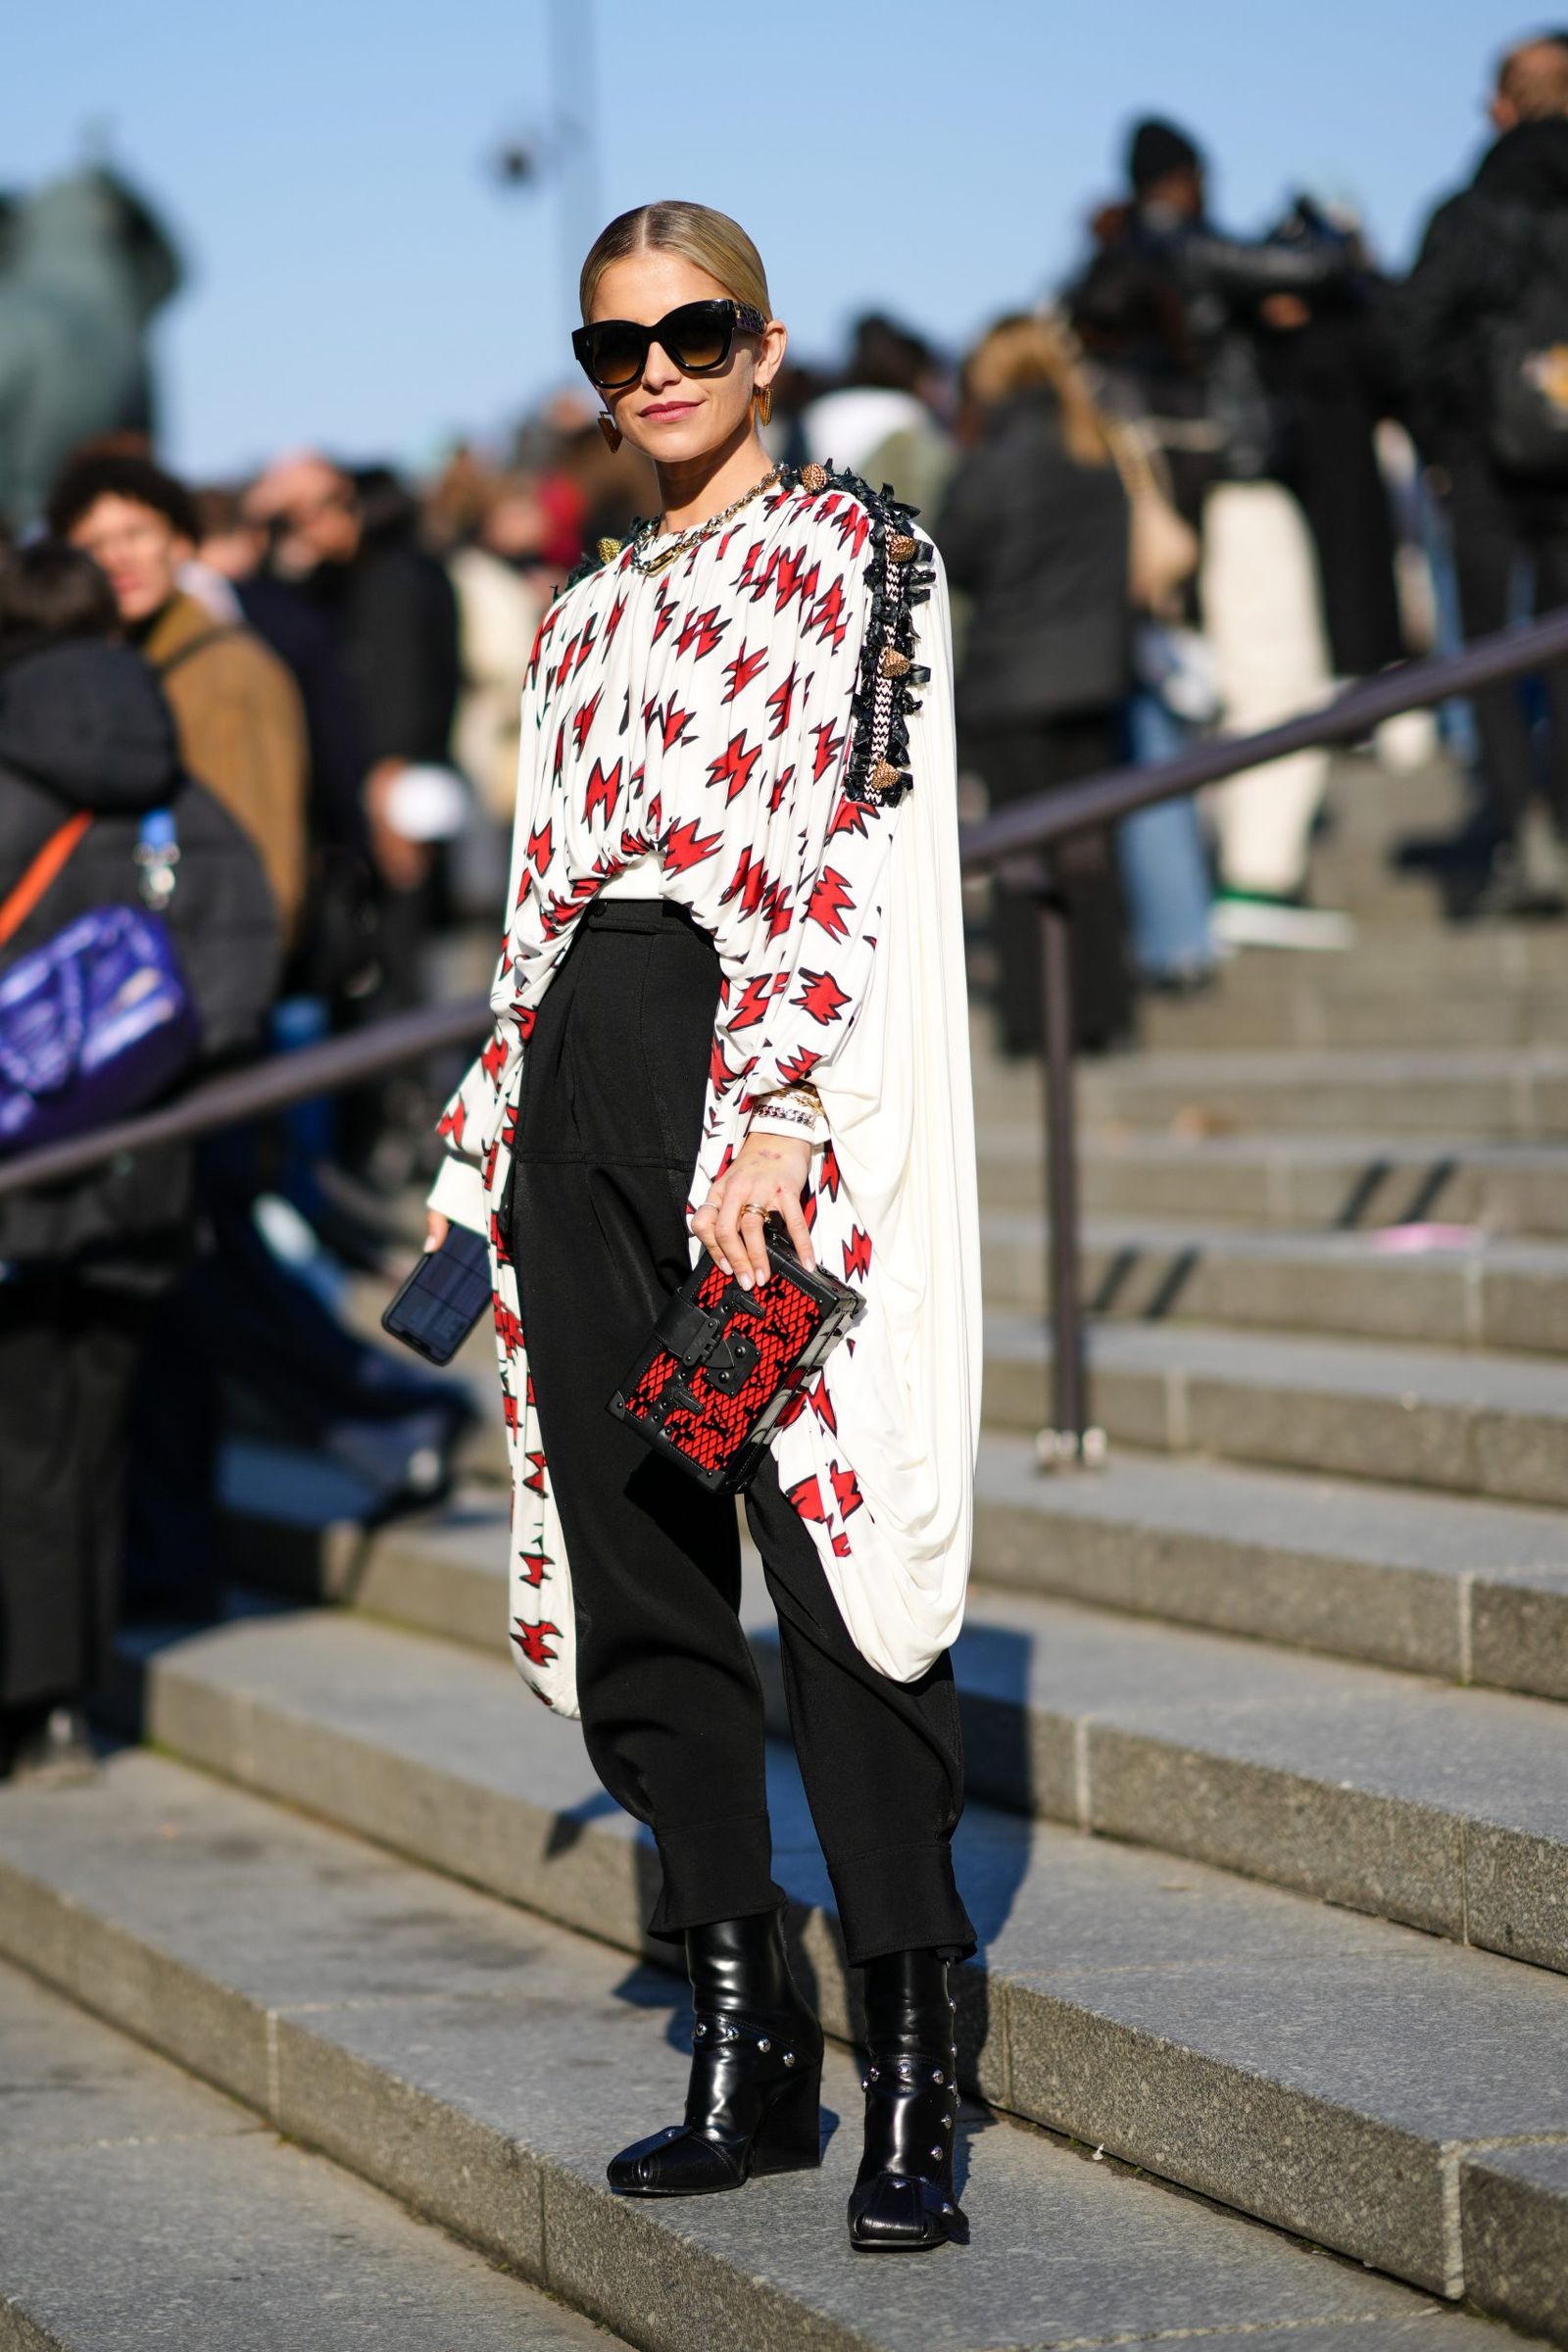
{"points": [[1155, 149]]}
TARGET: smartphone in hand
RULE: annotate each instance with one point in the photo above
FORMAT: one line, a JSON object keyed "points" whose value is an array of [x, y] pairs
{"points": [[439, 1303]]}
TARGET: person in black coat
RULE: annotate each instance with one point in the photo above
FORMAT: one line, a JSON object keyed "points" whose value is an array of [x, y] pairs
{"points": [[1479, 256], [1328, 363], [1172, 304], [334, 946], [84, 727], [351, 542], [1035, 527]]}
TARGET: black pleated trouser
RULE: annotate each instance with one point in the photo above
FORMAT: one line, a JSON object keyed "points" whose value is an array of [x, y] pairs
{"points": [[671, 1706]]}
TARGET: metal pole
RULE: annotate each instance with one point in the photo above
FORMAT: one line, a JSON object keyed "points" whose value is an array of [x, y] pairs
{"points": [[1067, 1441], [570, 27], [589, 197]]}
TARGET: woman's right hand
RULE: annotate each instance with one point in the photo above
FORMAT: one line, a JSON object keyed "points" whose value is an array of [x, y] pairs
{"points": [[436, 1228]]}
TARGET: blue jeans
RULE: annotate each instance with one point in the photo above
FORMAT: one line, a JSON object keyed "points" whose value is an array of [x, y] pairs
{"points": [[1164, 871], [1456, 716]]}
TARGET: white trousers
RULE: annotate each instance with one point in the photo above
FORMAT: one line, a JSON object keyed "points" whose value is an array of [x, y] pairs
{"points": [[1262, 616]]}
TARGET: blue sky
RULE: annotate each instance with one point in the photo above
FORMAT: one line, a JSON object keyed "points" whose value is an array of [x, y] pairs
{"points": [[358, 278]]}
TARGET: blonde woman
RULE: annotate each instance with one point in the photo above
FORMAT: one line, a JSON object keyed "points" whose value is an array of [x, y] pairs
{"points": [[1035, 527], [732, 985]]}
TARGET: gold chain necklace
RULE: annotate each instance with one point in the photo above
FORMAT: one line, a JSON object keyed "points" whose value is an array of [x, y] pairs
{"points": [[646, 532]]}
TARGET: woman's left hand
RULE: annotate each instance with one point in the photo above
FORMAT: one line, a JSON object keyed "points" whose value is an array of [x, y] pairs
{"points": [[767, 1177]]}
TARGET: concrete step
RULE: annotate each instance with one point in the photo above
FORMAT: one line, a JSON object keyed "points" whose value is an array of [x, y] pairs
{"points": [[1441, 1807], [1332, 2073], [1343, 1182], [1244, 1010], [1486, 952], [1441, 1290], [1469, 1092], [481, 2064], [1434, 1585], [143, 2211], [1476, 1424], [1463, 966]]}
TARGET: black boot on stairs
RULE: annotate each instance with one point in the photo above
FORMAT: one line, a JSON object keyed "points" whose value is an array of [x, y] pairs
{"points": [[756, 2072], [902, 2201]]}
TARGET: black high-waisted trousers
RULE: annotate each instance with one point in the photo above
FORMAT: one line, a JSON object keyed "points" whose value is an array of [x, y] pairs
{"points": [[671, 1707]]}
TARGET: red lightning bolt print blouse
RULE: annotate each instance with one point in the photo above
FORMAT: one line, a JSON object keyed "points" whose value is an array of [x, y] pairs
{"points": [[765, 730]]}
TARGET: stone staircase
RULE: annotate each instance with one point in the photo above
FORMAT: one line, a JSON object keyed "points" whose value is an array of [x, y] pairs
{"points": [[143, 2210], [1268, 1845]]}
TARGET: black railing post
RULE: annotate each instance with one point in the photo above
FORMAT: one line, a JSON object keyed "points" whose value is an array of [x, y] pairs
{"points": [[1067, 1440]]}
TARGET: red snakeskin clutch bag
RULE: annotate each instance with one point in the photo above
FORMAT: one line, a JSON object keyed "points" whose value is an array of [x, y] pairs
{"points": [[725, 1366]]}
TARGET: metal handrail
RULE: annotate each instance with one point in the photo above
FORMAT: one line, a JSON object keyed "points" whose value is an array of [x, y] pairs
{"points": [[1105, 800], [277, 1082], [1017, 841]]}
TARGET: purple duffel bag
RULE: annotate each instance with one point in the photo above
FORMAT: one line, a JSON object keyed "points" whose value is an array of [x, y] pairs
{"points": [[93, 1025]]}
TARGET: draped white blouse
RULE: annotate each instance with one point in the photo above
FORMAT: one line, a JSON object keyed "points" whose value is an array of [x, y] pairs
{"points": [[763, 732]]}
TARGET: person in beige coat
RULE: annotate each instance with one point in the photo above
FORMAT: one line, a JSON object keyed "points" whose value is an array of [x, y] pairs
{"points": [[238, 711]]}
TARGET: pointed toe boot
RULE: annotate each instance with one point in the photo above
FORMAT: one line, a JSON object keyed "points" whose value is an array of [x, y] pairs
{"points": [[752, 2103], [902, 2201]]}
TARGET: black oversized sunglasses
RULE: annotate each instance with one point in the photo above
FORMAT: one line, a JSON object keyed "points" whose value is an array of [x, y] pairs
{"points": [[698, 337]]}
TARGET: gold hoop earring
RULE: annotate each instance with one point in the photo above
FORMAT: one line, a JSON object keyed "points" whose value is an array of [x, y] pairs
{"points": [[611, 432], [765, 405]]}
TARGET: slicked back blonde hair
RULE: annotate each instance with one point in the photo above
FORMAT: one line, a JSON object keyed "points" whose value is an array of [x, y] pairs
{"points": [[712, 241]]}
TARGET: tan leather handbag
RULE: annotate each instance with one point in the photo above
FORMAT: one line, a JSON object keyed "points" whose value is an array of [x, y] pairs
{"points": [[1163, 549]]}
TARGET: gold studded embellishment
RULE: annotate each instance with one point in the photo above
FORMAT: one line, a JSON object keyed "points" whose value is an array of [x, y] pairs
{"points": [[877, 771], [608, 550]]}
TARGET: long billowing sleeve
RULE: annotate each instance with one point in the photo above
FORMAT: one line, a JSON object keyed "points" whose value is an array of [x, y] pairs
{"points": [[898, 1103], [819, 993]]}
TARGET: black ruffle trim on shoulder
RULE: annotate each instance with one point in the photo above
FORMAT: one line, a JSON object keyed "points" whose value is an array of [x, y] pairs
{"points": [[583, 569], [898, 577]]}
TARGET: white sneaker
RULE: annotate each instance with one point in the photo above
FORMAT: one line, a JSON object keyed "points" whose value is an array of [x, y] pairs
{"points": [[1243, 922]]}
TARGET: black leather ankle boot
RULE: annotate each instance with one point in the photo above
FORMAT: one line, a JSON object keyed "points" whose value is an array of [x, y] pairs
{"points": [[903, 2200], [756, 2072]]}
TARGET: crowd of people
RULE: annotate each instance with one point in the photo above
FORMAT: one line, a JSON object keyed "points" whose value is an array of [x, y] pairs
{"points": [[277, 719]]}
